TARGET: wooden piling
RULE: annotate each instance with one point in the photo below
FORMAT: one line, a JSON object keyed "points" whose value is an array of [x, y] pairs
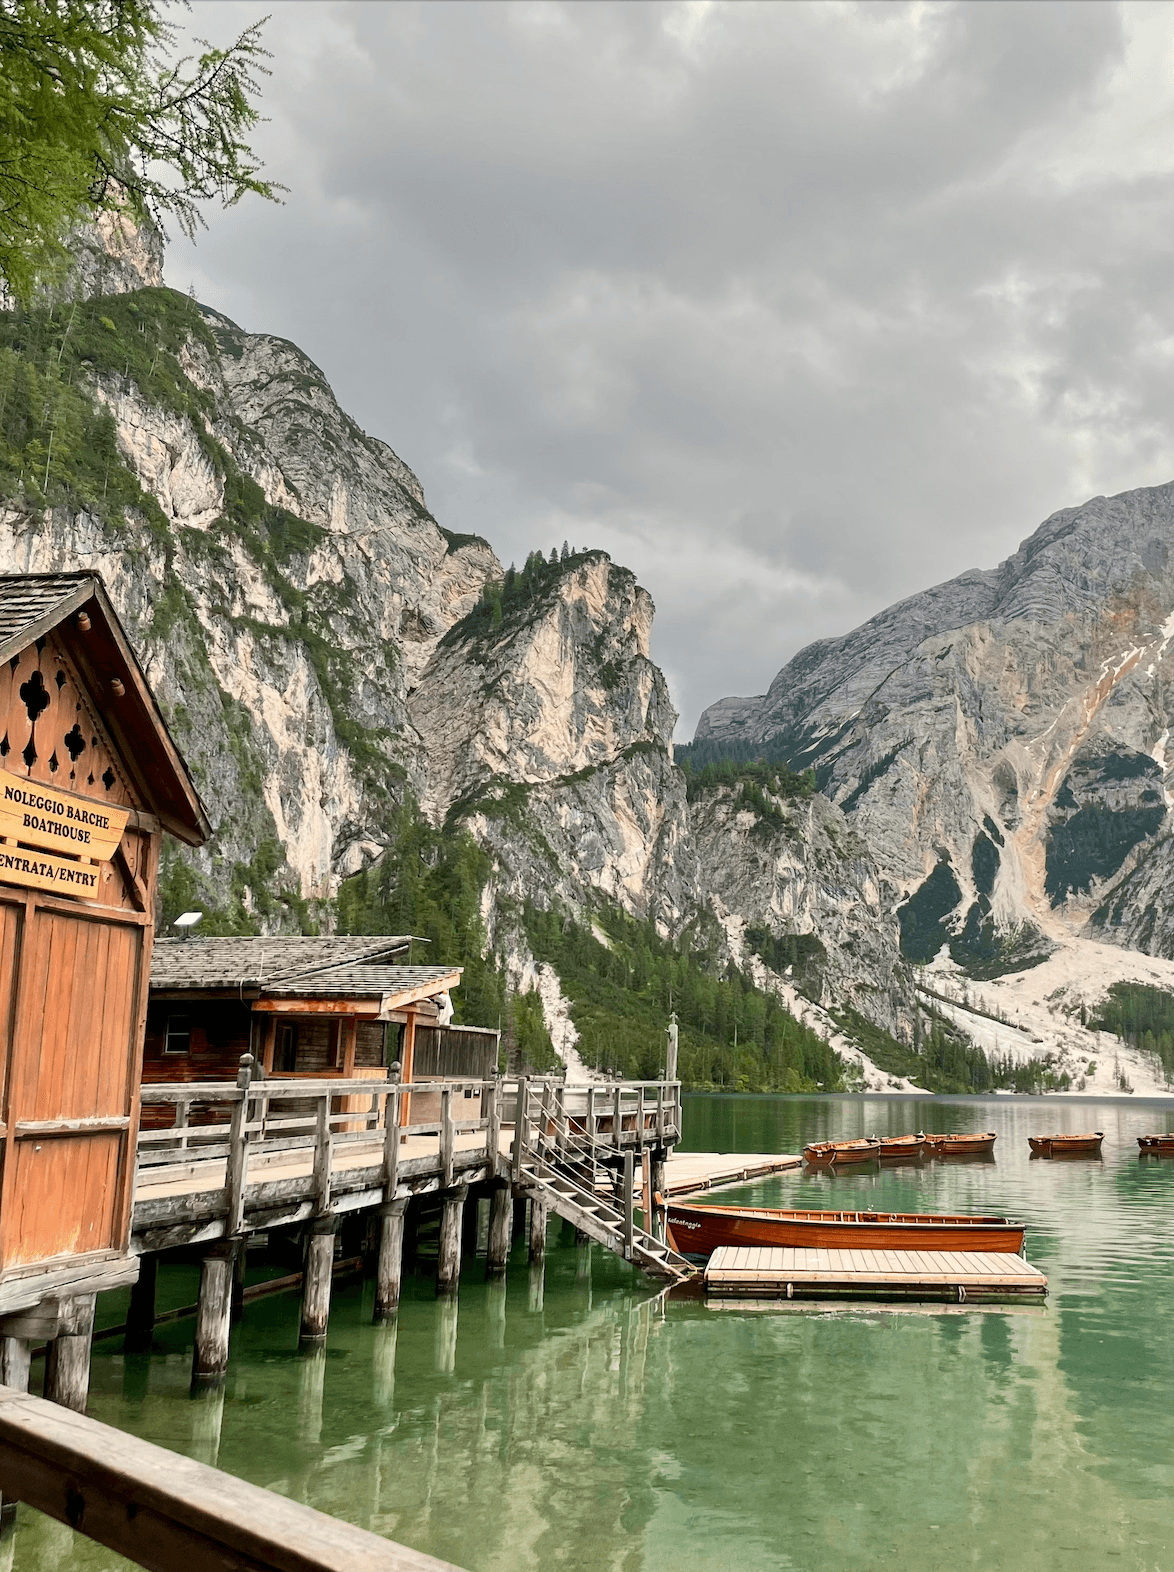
{"points": [[389, 1271], [67, 1360], [318, 1279], [448, 1258], [500, 1218], [214, 1314], [15, 1358], [537, 1229], [140, 1315]]}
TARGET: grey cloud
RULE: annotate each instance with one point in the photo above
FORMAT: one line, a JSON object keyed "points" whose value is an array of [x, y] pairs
{"points": [[795, 309]]}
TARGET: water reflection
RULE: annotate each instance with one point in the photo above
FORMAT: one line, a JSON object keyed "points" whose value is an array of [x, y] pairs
{"points": [[576, 1418]]}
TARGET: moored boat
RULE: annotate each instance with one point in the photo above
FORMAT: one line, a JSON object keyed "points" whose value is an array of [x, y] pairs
{"points": [[699, 1230], [901, 1145], [969, 1144], [841, 1152], [1087, 1144], [1157, 1145]]}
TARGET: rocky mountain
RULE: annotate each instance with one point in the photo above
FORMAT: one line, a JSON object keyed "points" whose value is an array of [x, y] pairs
{"points": [[329, 656], [1000, 742]]}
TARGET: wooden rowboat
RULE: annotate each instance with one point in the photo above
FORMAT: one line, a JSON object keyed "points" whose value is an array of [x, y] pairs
{"points": [[1086, 1145], [841, 1152], [1157, 1145], [970, 1144], [699, 1230], [901, 1145]]}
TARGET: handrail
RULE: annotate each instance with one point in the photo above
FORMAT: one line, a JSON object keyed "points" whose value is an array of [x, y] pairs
{"points": [[164, 1511]]}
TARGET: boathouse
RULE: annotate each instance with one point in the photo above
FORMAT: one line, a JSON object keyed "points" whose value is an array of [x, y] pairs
{"points": [[339, 1007], [90, 780]]}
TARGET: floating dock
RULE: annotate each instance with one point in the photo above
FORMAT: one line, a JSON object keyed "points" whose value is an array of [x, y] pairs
{"points": [[688, 1172], [957, 1276]]}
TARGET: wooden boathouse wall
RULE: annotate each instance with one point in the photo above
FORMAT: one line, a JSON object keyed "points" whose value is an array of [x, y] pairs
{"points": [[88, 781]]}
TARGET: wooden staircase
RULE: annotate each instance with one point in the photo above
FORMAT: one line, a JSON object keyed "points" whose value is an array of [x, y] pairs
{"points": [[563, 1167]]}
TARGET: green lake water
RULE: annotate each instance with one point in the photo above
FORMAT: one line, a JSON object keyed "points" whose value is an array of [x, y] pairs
{"points": [[583, 1422]]}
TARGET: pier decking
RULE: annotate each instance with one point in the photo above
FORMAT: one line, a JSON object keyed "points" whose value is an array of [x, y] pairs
{"points": [[957, 1275], [688, 1172]]}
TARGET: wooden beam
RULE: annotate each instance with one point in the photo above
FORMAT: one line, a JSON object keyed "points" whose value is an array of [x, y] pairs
{"points": [[428, 990], [367, 1009], [350, 1043], [165, 1511]]}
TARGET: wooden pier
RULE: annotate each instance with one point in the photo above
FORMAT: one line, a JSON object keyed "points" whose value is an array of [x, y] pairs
{"points": [[952, 1275], [686, 1173]]}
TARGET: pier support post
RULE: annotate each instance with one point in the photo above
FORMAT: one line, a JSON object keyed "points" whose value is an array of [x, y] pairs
{"points": [[214, 1313], [659, 1184], [500, 1218], [537, 1229], [140, 1315], [317, 1282], [15, 1358], [238, 1282], [389, 1271], [448, 1257], [67, 1359]]}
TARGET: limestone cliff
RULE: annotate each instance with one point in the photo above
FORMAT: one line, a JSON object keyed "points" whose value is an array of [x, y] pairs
{"points": [[324, 649]]}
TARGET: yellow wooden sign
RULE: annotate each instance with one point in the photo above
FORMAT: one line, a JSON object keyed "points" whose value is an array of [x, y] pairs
{"points": [[60, 821], [43, 871]]}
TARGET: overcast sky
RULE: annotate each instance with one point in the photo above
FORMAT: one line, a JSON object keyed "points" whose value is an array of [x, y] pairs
{"points": [[793, 308]]}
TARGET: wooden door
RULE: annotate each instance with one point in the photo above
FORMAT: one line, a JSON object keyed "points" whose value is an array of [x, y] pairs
{"points": [[71, 1084]]}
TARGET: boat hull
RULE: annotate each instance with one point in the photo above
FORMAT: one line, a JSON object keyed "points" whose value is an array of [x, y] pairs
{"points": [[907, 1146], [977, 1145], [1156, 1145], [700, 1230], [840, 1153], [1066, 1145]]}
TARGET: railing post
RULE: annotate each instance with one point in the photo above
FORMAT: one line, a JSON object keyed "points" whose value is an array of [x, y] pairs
{"points": [[617, 1118], [543, 1121], [182, 1121], [640, 1114], [660, 1113], [521, 1114], [493, 1132], [591, 1132], [323, 1156], [446, 1136], [391, 1140], [238, 1157], [629, 1204]]}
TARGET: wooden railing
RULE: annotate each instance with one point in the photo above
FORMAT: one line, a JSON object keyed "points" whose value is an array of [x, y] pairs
{"points": [[257, 1124], [164, 1511]]}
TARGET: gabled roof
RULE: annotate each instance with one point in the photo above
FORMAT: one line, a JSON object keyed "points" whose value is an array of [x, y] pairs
{"points": [[396, 985], [270, 963], [34, 604]]}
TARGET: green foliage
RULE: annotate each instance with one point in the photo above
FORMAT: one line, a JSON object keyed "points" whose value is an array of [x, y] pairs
{"points": [[57, 444], [942, 1059], [1142, 1016], [96, 115], [755, 779], [732, 1034], [428, 883], [1093, 844], [254, 895], [507, 603], [803, 953], [528, 1032]]}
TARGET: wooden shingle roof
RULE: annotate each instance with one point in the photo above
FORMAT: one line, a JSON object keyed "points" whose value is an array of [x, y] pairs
{"points": [[276, 961]]}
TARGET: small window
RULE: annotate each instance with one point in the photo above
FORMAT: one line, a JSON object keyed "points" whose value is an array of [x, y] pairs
{"points": [[286, 1058], [178, 1037]]}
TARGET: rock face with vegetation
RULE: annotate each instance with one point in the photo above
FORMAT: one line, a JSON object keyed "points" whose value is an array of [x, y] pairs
{"points": [[392, 733], [1000, 742]]}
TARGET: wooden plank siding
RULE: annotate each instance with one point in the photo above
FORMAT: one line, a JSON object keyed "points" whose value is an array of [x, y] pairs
{"points": [[74, 969]]}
